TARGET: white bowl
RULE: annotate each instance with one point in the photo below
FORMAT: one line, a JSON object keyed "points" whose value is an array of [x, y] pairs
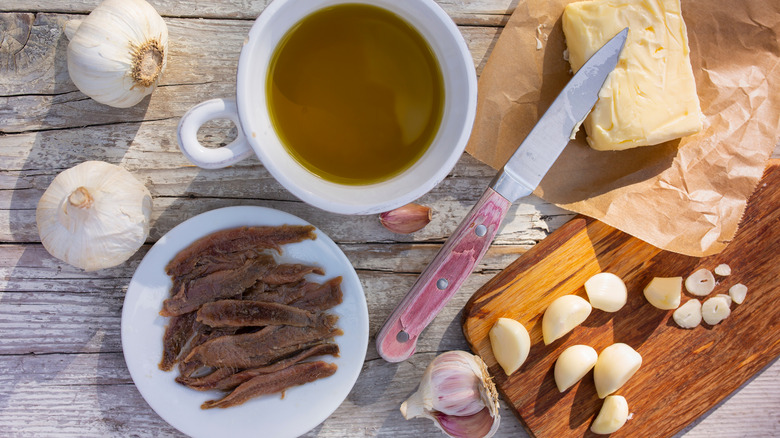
{"points": [[460, 90]]}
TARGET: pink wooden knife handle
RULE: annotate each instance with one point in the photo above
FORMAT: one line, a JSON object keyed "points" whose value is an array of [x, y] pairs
{"points": [[397, 339]]}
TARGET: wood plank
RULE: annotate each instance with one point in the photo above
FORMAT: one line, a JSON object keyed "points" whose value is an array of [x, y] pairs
{"points": [[493, 12], [708, 362]]}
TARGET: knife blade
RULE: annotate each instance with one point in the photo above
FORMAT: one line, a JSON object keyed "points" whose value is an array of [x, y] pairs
{"points": [[397, 339]]}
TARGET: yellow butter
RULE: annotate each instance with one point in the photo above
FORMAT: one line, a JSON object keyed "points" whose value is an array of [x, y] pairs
{"points": [[650, 97]]}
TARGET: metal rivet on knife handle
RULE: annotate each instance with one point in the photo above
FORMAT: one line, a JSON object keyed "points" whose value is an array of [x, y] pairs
{"points": [[442, 283], [402, 336], [481, 230]]}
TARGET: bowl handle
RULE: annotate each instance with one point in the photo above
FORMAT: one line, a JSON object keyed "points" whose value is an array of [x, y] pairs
{"points": [[212, 158]]}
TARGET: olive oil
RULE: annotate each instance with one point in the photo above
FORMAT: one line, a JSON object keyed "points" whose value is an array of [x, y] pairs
{"points": [[355, 94]]}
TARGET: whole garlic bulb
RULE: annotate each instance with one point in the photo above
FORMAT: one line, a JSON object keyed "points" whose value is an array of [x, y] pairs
{"points": [[117, 54], [457, 393], [94, 215]]}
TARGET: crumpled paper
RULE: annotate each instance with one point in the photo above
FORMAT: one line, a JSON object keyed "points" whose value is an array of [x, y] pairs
{"points": [[685, 196]]}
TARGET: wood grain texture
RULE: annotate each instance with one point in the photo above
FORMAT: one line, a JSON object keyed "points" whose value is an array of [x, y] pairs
{"points": [[684, 372]]}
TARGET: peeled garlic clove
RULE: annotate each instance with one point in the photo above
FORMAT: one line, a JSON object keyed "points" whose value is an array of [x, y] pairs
{"points": [[738, 292], [562, 315], [94, 215], [606, 291], [689, 314], [615, 365], [406, 219], [118, 53], [457, 393], [715, 310], [573, 364], [664, 292], [723, 270], [510, 343], [725, 297], [612, 416], [700, 283]]}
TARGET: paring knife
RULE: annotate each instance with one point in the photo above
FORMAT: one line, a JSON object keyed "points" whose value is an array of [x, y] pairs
{"points": [[397, 339]]}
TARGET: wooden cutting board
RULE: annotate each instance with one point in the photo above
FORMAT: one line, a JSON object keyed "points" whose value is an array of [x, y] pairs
{"points": [[684, 373]]}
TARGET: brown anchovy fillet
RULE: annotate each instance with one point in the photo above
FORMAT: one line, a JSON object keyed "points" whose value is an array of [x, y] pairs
{"points": [[278, 381], [263, 347], [290, 273], [177, 332], [241, 313], [283, 294], [203, 333], [322, 298], [227, 378], [212, 263], [220, 284], [237, 240]]}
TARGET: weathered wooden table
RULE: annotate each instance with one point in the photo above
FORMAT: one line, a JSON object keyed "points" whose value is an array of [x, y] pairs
{"points": [[62, 372]]}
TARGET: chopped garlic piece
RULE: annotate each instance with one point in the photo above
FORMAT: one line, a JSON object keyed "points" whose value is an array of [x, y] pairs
{"points": [[715, 310], [689, 314], [562, 315], [723, 270], [612, 416], [615, 365], [664, 292], [510, 343], [606, 291], [738, 292], [725, 297], [700, 283], [573, 364]]}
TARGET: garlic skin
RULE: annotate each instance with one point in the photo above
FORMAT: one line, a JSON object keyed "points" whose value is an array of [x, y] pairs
{"points": [[615, 365], [457, 393], [562, 315], [118, 53], [94, 215], [606, 291], [572, 365], [406, 219]]}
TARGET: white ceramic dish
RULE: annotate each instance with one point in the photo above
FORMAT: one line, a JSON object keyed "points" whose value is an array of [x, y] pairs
{"points": [[303, 407]]}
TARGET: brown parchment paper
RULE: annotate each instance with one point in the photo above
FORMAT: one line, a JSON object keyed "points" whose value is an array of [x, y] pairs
{"points": [[685, 196]]}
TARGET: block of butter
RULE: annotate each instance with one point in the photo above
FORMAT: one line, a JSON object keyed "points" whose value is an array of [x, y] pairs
{"points": [[650, 97]]}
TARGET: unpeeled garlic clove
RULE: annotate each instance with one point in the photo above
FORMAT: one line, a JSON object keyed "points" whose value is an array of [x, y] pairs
{"points": [[510, 343], [616, 364], [612, 416], [562, 315], [606, 291], [715, 310], [738, 293], [664, 292], [457, 393], [689, 314], [573, 364], [406, 219], [700, 283]]}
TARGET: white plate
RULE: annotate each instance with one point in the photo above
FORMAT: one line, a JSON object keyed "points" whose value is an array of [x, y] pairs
{"points": [[303, 407]]}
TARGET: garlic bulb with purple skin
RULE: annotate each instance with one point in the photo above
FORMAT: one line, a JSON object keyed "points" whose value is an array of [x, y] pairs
{"points": [[457, 393]]}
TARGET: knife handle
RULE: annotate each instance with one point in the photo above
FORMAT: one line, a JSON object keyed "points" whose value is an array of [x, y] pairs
{"points": [[397, 339]]}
